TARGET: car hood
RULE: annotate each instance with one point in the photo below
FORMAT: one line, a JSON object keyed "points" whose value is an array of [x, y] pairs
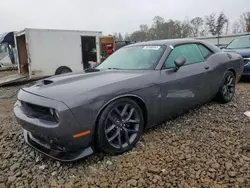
{"points": [[245, 52], [67, 86]]}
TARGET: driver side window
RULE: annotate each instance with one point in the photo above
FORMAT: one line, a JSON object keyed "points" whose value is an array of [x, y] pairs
{"points": [[172, 57], [190, 51]]}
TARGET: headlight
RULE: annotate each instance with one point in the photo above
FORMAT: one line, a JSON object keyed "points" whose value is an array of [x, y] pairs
{"points": [[56, 114], [51, 111]]}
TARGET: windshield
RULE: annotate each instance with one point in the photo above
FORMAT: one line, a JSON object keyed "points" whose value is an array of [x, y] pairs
{"points": [[134, 58], [239, 43]]}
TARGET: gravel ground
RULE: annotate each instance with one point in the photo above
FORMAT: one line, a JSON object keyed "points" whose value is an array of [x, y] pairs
{"points": [[200, 149]]}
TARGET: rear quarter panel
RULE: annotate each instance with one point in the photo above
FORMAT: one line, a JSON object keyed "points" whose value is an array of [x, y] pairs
{"points": [[221, 62], [238, 64]]}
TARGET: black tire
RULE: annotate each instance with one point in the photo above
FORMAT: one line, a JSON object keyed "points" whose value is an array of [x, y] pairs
{"points": [[63, 70], [128, 133], [227, 88]]}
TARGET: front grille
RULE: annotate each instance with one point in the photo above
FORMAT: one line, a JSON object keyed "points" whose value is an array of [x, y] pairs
{"points": [[37, 108], [49, 142], [37, 111], [41, 139]]}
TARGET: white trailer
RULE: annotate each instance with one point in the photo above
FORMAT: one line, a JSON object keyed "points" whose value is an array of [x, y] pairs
{"points": [[46, 52]]}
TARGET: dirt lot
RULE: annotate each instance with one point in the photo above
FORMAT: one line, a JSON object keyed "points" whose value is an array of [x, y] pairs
{"points": [[200, 149], [6, 73]]}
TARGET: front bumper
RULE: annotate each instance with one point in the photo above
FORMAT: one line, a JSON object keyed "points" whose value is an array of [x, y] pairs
{"points": [[55, 139], [246, 71], [64, 156]]}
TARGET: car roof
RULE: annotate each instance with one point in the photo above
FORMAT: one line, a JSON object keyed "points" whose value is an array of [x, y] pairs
{"points": [[170, 42], [164, 42], [175, 42]]}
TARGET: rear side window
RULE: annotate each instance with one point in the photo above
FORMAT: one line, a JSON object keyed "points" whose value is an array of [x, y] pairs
{"points": [[205, 51], [190, 51]]}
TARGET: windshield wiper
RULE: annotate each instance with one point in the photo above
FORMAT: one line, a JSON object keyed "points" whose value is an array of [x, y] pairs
{"points": [[92, 70]]}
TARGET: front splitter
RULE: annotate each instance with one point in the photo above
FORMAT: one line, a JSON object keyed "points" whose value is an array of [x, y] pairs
{"points": [[62, 156]]}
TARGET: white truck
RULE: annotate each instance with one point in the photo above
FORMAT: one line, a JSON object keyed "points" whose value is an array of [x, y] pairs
{"points": [[46, 52]]}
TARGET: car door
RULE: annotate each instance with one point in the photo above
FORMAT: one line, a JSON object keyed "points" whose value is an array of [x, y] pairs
{"points": [[188, 86], [211, 73]]}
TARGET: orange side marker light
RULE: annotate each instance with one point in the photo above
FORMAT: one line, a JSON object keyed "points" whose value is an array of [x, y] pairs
{"points": [[81, 134]]}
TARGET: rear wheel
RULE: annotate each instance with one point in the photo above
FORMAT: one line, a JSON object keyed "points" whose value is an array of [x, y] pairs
{"points": [[120, 126], [227, 88], [63, 70]]}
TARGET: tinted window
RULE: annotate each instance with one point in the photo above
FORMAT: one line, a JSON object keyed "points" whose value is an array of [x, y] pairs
{"points": [[240, 43], [190, 51], [204, 50], [135, 57]]}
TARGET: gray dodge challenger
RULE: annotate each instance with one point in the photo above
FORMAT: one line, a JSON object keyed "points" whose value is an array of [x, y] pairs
{"points": [[107, 108]]}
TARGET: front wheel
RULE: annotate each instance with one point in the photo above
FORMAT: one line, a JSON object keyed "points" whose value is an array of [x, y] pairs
{"points": [[120, 126], [227, 88]]}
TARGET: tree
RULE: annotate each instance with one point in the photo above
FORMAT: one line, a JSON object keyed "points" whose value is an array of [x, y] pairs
{"points": [[196, 24], [227, 26], [118, 36], [157, 27], [210, 22], [245, 21], [216, 26], [236, 28], [138, 36], [204, 30], [186, 29], [168, 29], [221, 21], [158, 19], [144, 27], [144, 31], [127, 37], [162, 29]]}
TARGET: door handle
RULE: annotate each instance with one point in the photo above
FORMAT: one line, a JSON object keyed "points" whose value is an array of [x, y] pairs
{"points": [[206, 67]]}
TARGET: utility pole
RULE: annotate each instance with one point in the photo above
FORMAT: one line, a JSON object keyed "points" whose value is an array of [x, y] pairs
{"points": [[218, 40]]}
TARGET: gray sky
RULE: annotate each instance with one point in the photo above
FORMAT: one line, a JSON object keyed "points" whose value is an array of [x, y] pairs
{"points": [[108, 15]]}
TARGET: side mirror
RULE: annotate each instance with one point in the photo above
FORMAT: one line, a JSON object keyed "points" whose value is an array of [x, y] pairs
{"points": [[180, 61]]}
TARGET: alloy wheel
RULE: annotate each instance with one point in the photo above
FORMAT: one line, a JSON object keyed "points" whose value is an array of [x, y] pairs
{"points": [[228, 87], [122, 126]]}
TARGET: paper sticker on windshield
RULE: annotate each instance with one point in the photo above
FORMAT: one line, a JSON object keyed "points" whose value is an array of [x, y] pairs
{"points": [[151, 47]]}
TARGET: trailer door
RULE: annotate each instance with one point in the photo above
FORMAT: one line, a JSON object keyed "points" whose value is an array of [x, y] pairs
{"points": [[107, 46], [22, 54], [89, 51]]}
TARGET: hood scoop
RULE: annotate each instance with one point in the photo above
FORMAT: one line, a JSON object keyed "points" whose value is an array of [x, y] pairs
{"points": [[47, 82]]}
